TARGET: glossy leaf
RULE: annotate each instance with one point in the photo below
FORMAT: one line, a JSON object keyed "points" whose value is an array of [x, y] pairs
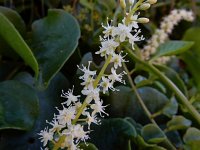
{"points": [[48, 100], [178, 123], [173, 48], [15, 40], [112, 134], [18, 106], [55, 38], [152, 134], [125, 103]]}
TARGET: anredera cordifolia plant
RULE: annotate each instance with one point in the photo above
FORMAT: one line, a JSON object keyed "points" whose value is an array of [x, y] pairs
{"points": [[67, 130]]}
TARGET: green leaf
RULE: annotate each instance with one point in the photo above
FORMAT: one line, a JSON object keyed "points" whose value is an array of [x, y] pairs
{"points": [[87, 146], [18, 106], [171, 108], [9, 33], [178, 123], [112, 134], [48, 100], [55, 38], [142, 145], [152, 134], [192, 139], [172, 48], [192, 57], [125, 103], [174, 77]]}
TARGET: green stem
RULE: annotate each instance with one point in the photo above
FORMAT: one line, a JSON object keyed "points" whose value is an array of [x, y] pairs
{"points": [[134, 9], [182, 99], [84, 105], [144, 107]]}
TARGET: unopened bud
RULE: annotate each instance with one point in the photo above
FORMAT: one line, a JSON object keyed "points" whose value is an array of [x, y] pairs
{"points": [[145, 6], [142, 20], [151, 1], [123, 4], [131, 2]]}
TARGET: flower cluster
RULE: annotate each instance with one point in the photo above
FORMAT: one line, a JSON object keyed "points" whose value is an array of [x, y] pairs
{"points": [[65, 131], [162, 34]]}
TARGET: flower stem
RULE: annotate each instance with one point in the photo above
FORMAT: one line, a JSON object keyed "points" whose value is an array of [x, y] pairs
{"points": [[182, 99], [95, 84], [101, 73], [144, 107], [134, 9]]}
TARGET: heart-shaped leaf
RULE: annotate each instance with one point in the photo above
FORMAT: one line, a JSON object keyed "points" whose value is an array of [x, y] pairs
{"points": [[55, 38], [48, 100], [18, 106]]}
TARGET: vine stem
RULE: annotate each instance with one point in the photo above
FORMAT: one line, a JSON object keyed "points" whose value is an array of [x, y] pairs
{"points": [[181, 97], [85, 104], [144, 107]]}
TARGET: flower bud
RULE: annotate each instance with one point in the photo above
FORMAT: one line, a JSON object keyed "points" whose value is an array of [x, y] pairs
{"points": [[123, 4], [131, 2], [143, 20], [145, 6], [151, 1]]}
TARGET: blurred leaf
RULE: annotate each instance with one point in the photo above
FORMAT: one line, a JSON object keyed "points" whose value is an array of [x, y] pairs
{"points": [[87, 4], [87, 146], [171, 108], [55, 38], [125, 103], [112, 134], [178, 123], [18, 106], [192, 139], [192, 57], [48, 99], [9, 33], [174, 77], [172, 48], [152, 134]]}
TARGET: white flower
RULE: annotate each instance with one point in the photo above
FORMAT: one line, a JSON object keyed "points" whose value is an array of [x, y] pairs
{"points": [[91, 119], [108, 47], [135, 38], [133, 21], [66, 115], [45, 136], [108, 29], [105, 84], [116, 77], [87, 72], [56, 127], [78, 105], [122, 31], [92, 93], [70, 97], [118, 59], [98, 108]]}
